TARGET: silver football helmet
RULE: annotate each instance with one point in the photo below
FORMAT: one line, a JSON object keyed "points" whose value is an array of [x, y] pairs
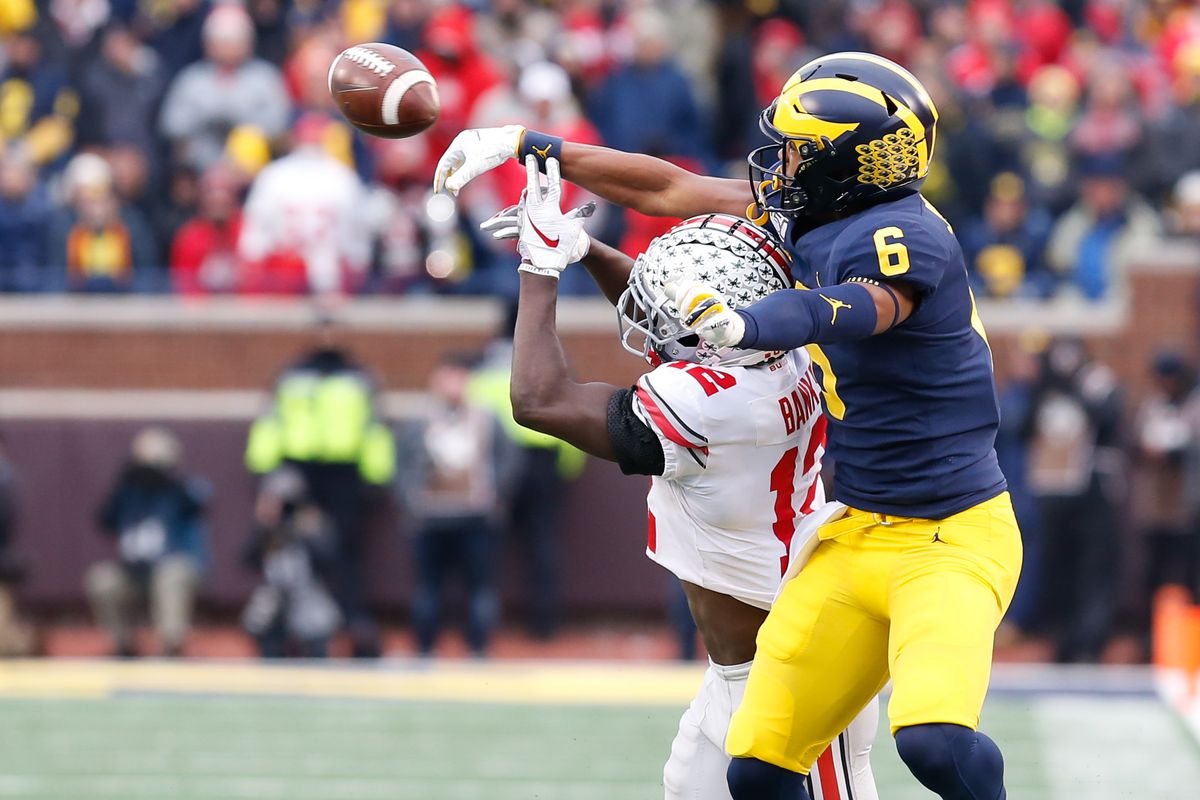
{"points": [[740, 260]]}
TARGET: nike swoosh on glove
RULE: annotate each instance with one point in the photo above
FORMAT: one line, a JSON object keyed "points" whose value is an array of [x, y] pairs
{"points": [[547, 239], [506, 224]]}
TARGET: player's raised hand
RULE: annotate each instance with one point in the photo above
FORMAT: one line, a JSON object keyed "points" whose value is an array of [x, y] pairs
{"points": [[474, 152], [704, 310], [547, 239], [506, 224]]}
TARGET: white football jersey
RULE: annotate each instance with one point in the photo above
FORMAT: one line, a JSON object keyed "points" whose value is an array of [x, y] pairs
{"points": [[742, 451]]}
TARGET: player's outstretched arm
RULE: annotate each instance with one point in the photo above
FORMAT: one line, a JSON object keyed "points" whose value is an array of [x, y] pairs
{"points": [[643, 183], [795, 317], [650, 185], [544, 396]]}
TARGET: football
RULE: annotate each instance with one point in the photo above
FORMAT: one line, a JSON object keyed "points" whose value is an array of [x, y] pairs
{"points": [[383, 90]]}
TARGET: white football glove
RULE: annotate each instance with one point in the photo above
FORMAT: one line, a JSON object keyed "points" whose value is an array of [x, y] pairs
{"points": [[707, 313], [474, 152], [546, 238], [506, 224]]}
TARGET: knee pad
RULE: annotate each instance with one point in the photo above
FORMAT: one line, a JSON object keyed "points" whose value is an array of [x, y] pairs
{"points": [[953, 761], [751, 779]]}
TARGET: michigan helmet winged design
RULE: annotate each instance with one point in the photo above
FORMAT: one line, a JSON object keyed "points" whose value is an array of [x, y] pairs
{"points": [[860, 129], [742, 261]]}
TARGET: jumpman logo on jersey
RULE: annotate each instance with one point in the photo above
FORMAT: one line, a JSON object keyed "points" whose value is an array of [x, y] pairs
{"points": [[837, 305], [544, 152]]}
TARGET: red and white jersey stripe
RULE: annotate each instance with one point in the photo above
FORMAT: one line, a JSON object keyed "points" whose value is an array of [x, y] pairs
{"points": [[742, 451]]}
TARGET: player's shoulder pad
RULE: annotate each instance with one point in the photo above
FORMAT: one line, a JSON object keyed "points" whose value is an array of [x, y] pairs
{"points": [[912, 243], [673, 397]]}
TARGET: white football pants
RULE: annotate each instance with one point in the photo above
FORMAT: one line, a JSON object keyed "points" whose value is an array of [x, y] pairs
{"points": [[696, 768]]}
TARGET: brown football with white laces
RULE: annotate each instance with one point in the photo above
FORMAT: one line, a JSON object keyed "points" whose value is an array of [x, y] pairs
{"points": [[384, 90]]}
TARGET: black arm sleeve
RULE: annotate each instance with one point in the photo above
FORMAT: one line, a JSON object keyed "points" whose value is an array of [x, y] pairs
{"points": [[637, 449]]}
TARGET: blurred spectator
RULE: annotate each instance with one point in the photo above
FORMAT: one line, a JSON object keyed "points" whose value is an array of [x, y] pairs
{"points": [[1039, 89], [155, 514], [517, 32], [1049, 120], [1167, 427], [1016, 397], [1075, 472], [16, 637], [40, 107], [1173, 139], [1092, 243], [204, 254], [541, 100], [99, 242], [25, 214], [405, 21], [229, 88], [120, 95], [175, 31], [323, 421], [1004, 247], [292, 546], [744, 57], [178, 201], [651, 80], [543, 465], [886, 27], [272, 31], [132, 184], [307, 72], [395, 213], [303, 229], [1110, 124], [75, 23], [462, 70], [1185, 214], [17, 15], [453, 481]]}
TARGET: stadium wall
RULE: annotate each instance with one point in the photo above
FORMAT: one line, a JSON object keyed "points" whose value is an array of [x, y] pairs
{"points": [[79, 375]]}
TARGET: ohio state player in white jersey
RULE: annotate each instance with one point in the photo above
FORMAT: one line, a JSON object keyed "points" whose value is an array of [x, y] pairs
{"points": [[732, 439], [742, 453]]}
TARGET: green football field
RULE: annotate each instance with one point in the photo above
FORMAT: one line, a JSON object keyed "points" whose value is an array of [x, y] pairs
{"points": [[294, 734]]}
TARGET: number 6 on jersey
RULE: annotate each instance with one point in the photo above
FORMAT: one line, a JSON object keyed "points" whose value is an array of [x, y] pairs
{"points": [[893, 256]]}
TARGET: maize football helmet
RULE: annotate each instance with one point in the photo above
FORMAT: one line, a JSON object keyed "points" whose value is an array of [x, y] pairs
{"points": [[862, 130], [737, 258]]}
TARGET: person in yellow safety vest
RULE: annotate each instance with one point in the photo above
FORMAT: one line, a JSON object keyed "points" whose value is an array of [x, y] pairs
{"points": [[323, 420], [536, 501]]}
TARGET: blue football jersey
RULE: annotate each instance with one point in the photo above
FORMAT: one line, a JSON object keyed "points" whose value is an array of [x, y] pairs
{"points": [[912, 412]]}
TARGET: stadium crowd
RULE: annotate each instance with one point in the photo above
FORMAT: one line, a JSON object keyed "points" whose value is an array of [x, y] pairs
{"points": [[192, 146]]}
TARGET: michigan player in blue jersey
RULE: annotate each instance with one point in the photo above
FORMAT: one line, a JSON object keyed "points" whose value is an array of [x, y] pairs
{"points": [[914, 576]]}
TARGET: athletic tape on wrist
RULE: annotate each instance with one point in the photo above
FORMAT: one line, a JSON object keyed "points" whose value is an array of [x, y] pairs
{"points": [[536, 270]]}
